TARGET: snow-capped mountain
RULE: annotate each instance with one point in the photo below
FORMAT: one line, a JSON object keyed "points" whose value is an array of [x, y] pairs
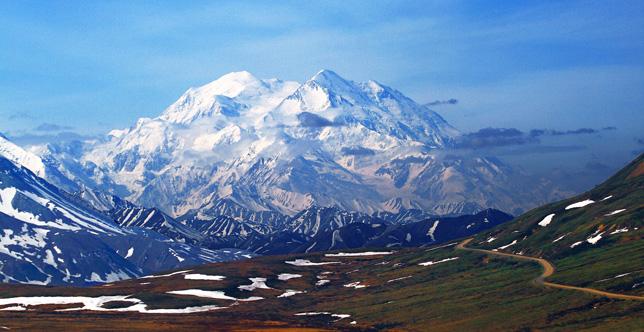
{"points": [[46, 168], [48, 236], [271, 145]]}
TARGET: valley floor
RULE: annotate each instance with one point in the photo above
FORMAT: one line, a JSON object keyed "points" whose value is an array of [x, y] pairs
{"points": [[437, 289]]}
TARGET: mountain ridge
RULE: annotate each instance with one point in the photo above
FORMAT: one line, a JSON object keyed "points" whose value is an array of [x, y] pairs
{"points": [[272, 145]]}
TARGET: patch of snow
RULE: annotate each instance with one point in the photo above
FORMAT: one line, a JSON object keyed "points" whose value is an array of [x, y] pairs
{"points": [[97, 304], [401, 278], [576, 244], [490, 239], [290, 292], [287, 276], [438, 262], [257, 283], [507, 245], [49, 259], [312, 313], [622, 230], [580, 204], [109, 277], [607, 197], [354, 254], [198, 276], [615, 212], [355, 285], [340, 316], [559, 238], [322, 282], [594, 239], [431, 231], [165, 275], [14, 308], [618, 276], [219, 295], [129, 253], [546, 220], [174, 253], [306, 262], [89, 303], [440, 247]]}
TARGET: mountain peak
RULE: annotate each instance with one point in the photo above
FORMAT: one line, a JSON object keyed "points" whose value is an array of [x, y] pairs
{"points": [[231, 85], [329, 79]]}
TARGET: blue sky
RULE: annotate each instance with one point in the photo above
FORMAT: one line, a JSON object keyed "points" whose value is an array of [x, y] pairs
{"points": [[86, 67]]}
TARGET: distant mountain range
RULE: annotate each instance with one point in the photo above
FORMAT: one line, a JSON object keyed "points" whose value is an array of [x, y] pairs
{"points": [[312, 230], [277, 146]]}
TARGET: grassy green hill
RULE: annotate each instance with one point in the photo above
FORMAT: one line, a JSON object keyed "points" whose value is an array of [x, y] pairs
{"points": [[599, 245], [419, 289]]}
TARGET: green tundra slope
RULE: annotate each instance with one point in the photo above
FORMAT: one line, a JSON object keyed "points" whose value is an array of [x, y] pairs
{"points": [[595, 240]]}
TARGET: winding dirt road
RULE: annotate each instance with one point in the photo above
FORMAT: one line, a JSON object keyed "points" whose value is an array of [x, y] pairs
{"points": [[548, 270]]}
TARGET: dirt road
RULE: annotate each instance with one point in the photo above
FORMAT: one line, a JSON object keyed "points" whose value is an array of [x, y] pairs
{"points": [[548, 270]]}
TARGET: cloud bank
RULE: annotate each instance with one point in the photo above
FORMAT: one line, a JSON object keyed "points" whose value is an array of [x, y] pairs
{"points": [[499, 137]]}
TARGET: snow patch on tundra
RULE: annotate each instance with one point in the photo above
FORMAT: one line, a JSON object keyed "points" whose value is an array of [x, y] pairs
{"points": [[306, 262], [354, 254], [546, 220], [580, 204], [198, 276], [438, 262]]}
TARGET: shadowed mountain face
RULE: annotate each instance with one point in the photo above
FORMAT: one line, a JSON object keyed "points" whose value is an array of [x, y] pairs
{"points": [[50, 237], [312, 230], [270, 145]]}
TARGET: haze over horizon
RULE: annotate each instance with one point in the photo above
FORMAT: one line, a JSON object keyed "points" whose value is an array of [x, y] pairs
{"points": [[544, 86]]}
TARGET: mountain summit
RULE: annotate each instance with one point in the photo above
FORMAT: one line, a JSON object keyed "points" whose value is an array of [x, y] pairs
{"points": [[268, 144]]}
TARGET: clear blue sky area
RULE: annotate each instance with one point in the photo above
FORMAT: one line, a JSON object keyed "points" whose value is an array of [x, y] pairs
{"points": [[81, 68]]}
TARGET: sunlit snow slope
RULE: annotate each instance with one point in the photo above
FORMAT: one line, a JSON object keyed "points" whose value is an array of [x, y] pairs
{"points": [[283, 146]]}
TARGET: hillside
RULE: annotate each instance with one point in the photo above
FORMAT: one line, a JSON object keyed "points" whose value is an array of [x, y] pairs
{"points": [[595, 239]]}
